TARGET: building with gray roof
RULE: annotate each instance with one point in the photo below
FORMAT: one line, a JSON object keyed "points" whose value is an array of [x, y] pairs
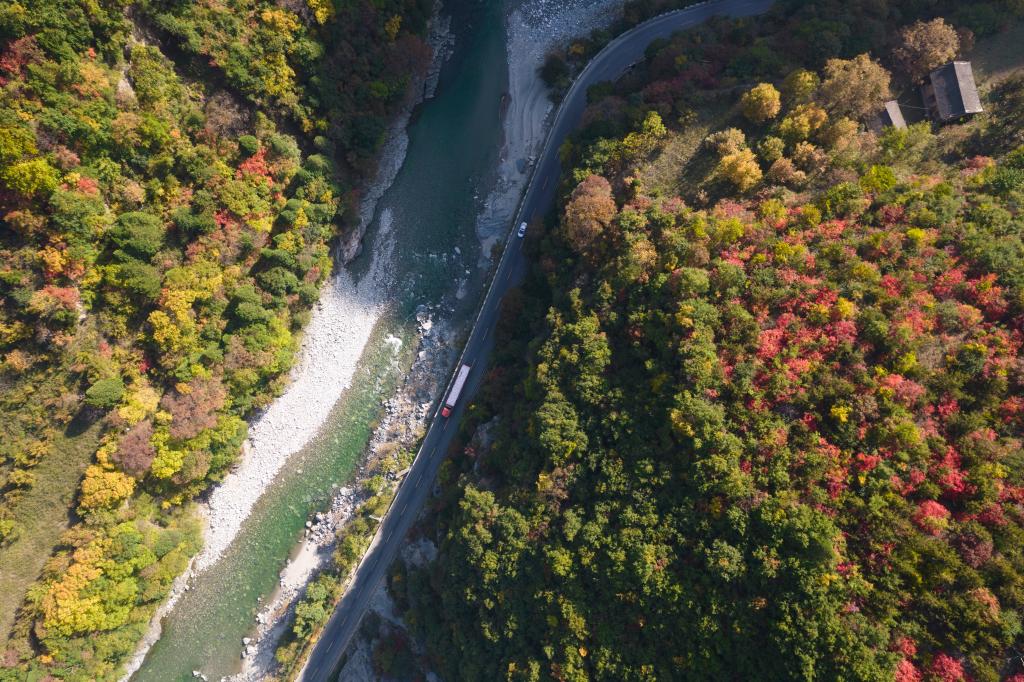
{"points": [[949, 92]]}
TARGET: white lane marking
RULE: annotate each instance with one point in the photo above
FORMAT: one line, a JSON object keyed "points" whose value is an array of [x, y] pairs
{"points": [[418, 481], [404, 507]]}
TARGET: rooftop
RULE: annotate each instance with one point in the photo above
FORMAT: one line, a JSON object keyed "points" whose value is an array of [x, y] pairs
{"points": [[893, 115], [950, 91]]}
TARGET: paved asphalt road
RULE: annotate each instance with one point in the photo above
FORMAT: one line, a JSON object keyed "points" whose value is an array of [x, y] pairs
{"points": [[622, 53]]}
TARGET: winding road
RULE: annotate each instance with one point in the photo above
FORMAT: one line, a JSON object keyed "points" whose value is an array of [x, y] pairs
{"points": [[610, 63]]}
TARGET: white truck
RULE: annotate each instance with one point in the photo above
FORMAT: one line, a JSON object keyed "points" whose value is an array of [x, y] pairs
{"points": [[453, 395]]}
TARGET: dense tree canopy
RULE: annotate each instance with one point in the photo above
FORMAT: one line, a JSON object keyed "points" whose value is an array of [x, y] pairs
{"points": [[765, 417]]}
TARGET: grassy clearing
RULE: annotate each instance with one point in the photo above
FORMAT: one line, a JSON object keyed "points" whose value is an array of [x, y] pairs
{"points": [[667, 173], [998, 56], [42, 514]]}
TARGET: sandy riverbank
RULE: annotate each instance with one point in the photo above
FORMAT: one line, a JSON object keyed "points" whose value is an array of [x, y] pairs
{"points": [[535, 27]]}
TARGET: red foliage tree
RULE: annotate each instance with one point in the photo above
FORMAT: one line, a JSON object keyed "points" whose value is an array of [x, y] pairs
{"points": [[590, 210], [196, 410], [135, 452], [945, 668]]}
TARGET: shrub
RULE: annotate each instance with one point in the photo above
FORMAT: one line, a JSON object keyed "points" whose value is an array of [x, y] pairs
{"points": [[138, 278], [728, 141], [194, 224], [105, 393], [278, 281], [135, 451], [783, 172], [318, 164], [555, 71], [771, 148], [809, 158], [248, 145], [195, 409], [283, 146], [878, 179]]}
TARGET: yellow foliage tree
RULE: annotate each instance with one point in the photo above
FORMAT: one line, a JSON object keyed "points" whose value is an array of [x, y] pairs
{"points": [[281, 21], [741, 169], [393, 26], [323, 10], [66, 611], [171, 336], [762, 103], [101, 488], [802, 122], [140, 402], [168, 460], [94, 592], [28, 178], [645, 141], [800, 86]]}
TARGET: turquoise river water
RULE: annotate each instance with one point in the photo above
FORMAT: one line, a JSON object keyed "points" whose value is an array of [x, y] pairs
{"points": [[430, 209]]}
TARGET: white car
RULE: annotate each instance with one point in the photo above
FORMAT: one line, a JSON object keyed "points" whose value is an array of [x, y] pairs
{"points": [[522, 230]]}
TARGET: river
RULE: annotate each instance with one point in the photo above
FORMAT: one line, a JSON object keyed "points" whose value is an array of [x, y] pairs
{"points": [[410, 260]]}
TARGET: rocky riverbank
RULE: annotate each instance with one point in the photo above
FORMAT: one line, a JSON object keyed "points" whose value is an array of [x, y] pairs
{"points": [[401, 427], [442, 42], [332, 344], [313, 554]]}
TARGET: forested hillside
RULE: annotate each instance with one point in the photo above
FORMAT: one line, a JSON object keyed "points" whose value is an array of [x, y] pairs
{"points": [[757, 413], [168, 192]]}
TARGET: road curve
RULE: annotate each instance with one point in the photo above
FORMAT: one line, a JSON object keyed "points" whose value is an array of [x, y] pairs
{"points": [[610, 63]]}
